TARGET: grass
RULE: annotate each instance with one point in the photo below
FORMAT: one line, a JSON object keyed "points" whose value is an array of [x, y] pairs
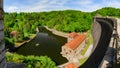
{"points": [[17, 44], [32, 36], [89, 41], [85, 49], [83, 60]]}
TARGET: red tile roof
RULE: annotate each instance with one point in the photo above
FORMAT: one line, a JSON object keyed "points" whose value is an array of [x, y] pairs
{"points": [[73, 35], [70, 65], [76, 41], [13, 33]]}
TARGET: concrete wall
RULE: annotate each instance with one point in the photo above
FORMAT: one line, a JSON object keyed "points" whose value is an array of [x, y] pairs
{"points": [[67, 52], [1, 3], [96, 33], [2, 45], [118, 26]]}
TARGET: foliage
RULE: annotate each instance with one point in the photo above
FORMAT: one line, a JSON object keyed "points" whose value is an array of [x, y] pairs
{"points": [[66, 21], [31, 61], [83, 60], [9, 40], [109, 11]]}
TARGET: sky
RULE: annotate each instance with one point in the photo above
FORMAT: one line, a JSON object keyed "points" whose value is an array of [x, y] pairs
{"points": [[50, 5]]}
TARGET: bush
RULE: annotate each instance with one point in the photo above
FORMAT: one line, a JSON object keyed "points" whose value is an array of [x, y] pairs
{"points": [[31, 61]]}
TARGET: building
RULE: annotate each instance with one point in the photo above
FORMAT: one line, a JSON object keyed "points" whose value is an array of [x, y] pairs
{"points": [[71, 36], [70, 65], [73, 47], [14, 33]]}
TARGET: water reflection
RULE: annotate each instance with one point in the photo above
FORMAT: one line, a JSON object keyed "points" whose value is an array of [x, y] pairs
{"points": [[45, 43]]}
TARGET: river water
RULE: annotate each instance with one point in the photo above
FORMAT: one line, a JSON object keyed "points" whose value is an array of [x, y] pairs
{"points": [[45, 43]]}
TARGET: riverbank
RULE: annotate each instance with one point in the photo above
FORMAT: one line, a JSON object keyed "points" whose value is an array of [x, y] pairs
{"points": [[59, 33], [18, 44]]}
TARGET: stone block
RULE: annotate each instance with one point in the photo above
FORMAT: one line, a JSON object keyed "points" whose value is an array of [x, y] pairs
{"points": [[15, 65]]}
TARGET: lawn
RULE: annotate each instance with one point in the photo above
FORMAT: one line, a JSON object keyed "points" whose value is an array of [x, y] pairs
{"points": [[89, 41]]}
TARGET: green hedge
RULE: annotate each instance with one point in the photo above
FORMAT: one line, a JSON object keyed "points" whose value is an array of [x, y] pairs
{"points": [[31, 61]]}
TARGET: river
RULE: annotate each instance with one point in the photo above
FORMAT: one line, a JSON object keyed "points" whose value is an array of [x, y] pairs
{"points": [[45, 43]]}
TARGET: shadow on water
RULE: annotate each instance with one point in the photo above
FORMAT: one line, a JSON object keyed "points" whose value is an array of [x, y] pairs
{"points": [[45, 43], [117, 65]]}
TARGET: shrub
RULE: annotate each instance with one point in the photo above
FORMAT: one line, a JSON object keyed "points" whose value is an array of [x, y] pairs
{"points": [[31, 61]]}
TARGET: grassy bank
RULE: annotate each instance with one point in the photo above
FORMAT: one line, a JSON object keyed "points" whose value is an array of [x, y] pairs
{"points": [[17, 44], [89, 41], [83, 60]]}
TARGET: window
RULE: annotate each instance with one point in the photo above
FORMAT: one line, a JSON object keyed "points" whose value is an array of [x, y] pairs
{"points": [[70, 51]]}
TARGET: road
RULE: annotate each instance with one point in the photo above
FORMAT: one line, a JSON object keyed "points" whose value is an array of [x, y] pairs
{"points": [[102, 31]]}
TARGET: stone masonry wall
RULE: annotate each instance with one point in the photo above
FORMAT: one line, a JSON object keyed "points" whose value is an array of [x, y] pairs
{"points": [[2, 45], [118, 26]]}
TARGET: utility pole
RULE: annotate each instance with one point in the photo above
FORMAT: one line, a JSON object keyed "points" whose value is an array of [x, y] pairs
{"points": [[2, 44]]}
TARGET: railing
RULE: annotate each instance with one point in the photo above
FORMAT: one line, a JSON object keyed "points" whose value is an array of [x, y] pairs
{"points": [[112, 55]]}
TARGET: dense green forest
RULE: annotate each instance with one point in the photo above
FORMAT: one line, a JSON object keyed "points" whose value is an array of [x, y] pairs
{"points": [[66, 21]]}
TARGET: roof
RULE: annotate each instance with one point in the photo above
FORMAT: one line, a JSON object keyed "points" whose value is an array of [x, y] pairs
{"points": [[73, 35], [70, 65], [13, 33], [76, 41]]}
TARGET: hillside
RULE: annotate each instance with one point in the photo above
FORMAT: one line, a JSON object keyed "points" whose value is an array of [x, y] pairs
{"points": [[66, 21]]}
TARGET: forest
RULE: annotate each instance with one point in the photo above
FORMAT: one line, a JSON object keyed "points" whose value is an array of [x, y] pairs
{"points": [[25, 24], [65, 20]]}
